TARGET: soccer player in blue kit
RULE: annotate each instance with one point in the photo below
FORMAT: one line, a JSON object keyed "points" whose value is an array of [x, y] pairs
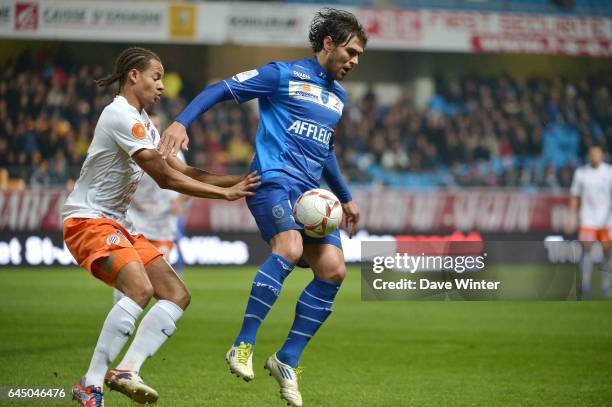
{"points": [[300, 104]]}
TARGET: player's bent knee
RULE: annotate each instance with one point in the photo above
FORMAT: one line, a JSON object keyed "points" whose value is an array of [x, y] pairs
{"points": [[289, 246], [183, 300], [339, 274], [178, 295], [141, 294], [335, 274], [291, 251]]}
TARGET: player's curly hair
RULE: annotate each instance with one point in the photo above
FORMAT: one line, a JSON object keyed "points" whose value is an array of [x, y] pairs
{"points": [[131, 58], [340, 25]]}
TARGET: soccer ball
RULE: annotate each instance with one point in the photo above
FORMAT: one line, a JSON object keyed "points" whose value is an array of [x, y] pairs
{"points": [[318, 211]]}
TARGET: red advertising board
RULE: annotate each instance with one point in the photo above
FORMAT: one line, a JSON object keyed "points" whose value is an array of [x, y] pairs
{"points": [[487, 32], [498, 211]]}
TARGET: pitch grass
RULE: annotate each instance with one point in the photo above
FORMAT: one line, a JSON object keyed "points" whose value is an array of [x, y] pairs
{"points": [[369, 353]]}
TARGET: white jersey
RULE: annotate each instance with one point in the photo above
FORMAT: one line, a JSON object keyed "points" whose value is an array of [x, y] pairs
{"points": [[594, 188], [109, 175], [151, 210]]}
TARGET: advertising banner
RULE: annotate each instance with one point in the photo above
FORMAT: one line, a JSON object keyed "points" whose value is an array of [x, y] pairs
{"points": [[42, 248], [490, 211], [459, 31], [84, 20], [34, 209], [274, 24], [183, 21], [46, 248], [418, 211], [283, 24]]}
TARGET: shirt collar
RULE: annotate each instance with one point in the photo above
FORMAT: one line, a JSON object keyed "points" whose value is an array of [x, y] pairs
{"points": [[123, 100], [320, 71]]}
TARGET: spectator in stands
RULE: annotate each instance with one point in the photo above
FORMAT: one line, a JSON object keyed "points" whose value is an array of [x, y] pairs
{"points": [[476, 131], [40, 177], [240, 151], [59, 169]]}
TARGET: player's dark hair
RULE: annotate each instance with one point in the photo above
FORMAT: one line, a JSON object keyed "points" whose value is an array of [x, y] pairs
{"points": [[131, 58], [340, 25]]}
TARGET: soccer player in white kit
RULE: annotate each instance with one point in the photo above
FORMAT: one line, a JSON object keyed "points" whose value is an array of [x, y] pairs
{"points": [[591, 191], [154, 213], [98, 236]]}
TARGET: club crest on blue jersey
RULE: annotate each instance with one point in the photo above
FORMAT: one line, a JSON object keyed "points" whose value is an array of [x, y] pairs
{"points": [[278, 211], [324, 96]]}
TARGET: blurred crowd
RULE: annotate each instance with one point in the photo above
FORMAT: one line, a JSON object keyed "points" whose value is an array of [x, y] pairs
{"points": [[474, 131], [479, 132], [48, 112]]}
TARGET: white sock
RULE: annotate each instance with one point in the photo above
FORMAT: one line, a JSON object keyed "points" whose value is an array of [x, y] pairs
{"points": [[117, 328], [586, 267], [154, 329]]}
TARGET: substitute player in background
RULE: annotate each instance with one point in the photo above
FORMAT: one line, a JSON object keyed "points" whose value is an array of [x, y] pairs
{"points": [[97, 235], [591, 191], [300, 104]]}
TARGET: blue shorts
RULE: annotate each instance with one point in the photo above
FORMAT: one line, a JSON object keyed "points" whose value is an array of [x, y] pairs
{"points": [[272, 208]]}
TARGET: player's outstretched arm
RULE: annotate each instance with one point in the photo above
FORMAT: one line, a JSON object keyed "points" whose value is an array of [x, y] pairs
{"points": [[175, 136], [168, 178], [204, 176], [260, 82]]}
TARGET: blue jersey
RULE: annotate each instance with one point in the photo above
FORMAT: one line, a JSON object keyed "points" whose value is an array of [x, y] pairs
{"points": [[300, 105]]}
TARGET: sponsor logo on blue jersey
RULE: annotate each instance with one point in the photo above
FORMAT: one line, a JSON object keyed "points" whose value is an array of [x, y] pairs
{"points": [[311, 131], [316, 94], [306, 94], [245, 76], [301, 75]]}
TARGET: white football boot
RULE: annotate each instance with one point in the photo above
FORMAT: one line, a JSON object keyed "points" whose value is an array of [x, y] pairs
{"points": [[240, 361], [287, 378], [132, 385]]}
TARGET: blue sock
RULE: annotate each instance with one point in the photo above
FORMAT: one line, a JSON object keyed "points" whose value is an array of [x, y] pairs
{"points": [[312, 309], [267, 285]]}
